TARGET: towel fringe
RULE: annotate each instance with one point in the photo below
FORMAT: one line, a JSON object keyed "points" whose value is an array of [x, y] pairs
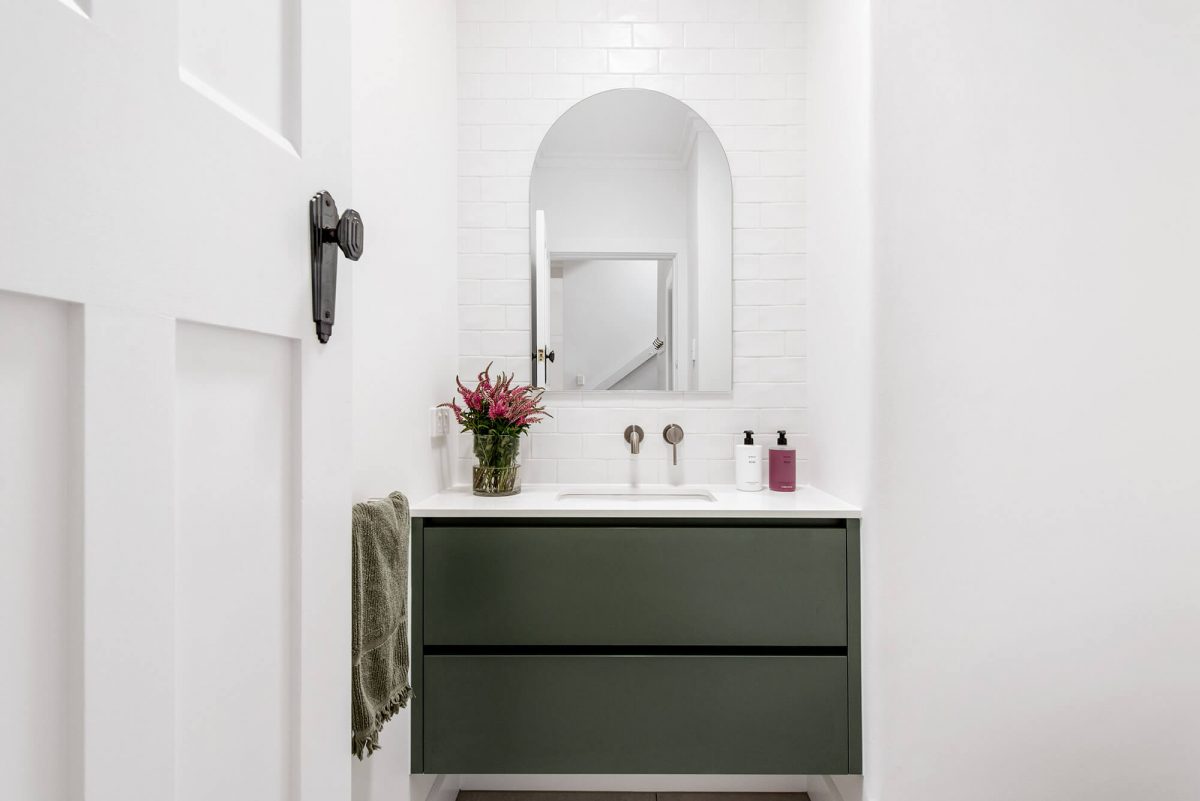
{"points": [[368, 741]]}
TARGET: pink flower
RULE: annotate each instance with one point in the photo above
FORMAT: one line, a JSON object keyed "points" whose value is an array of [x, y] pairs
{"points": [[498, 409], [485, 380], [497, 406]]}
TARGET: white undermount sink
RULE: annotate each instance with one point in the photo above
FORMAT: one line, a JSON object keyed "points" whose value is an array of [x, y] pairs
{"points": [[633, 494]]}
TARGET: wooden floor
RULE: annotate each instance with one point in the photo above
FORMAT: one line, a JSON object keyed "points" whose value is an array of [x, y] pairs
{"points": [[482, 795]]}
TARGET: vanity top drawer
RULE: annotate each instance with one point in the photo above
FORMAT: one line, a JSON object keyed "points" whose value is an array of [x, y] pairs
{"points": [[628, 585]]}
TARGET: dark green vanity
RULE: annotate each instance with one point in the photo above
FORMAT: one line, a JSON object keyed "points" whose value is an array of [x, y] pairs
{"points": [[626, 645]]}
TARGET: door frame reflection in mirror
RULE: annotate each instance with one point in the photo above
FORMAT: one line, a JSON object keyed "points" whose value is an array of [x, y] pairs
{"points": [[675, 373], [716, 229]]}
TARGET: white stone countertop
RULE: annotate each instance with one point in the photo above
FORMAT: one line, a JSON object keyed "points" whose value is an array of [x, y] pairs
{"points": [[644, 501]]}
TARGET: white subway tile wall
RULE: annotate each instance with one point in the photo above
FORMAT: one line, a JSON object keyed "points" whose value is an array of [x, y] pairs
{"points": [[740, 64]]}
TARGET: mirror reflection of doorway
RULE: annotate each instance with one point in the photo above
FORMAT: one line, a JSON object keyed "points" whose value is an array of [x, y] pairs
{"points": [[616, 316]]}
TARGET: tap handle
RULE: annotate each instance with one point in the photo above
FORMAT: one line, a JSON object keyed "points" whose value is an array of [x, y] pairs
{"points": [[673, 434]]}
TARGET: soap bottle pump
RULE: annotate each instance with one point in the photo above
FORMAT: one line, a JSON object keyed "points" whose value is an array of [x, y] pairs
{"points": [[747, 464], [782, 466]]}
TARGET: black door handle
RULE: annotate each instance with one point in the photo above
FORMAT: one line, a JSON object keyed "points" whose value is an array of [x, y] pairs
{"points": [[329, 232]]}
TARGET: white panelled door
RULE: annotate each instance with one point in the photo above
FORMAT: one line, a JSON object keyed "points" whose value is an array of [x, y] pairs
{"points": [[174, 442]]}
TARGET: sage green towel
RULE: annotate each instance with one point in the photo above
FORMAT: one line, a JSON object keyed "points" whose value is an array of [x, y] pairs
{"points": [[380, 618]]}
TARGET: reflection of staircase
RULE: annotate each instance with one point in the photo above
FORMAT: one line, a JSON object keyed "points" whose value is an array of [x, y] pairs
{"points": [[656, 348]]}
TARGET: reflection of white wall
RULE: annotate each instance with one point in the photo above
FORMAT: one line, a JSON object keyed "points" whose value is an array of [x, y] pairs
{"points": [[710, 260], [609, 314], [612, 208]]}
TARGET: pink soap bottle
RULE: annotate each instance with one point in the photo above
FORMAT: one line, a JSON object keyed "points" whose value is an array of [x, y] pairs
{"points": [[782, 465]]}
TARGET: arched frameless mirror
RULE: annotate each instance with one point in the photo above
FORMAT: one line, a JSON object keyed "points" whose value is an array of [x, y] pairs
{"points": [[631, 240]]}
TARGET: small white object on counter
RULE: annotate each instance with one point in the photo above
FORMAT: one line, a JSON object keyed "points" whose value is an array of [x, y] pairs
{"points": [[748, 465], [644, 501]]}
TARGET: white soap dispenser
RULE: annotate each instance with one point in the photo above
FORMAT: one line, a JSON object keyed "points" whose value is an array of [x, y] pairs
{"points": [[747, 464]]}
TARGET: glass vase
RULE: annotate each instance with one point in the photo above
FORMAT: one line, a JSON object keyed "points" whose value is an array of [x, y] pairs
{"points": [[497, 469]]}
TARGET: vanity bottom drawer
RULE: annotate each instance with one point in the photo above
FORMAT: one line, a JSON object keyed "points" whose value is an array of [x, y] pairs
{"points": [[635, 714]]}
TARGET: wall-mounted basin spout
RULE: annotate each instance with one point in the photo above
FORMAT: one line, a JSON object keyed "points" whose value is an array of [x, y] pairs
{"points": [[634, 436]]}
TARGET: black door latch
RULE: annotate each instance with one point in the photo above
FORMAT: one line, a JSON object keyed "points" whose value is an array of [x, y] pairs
{"points": [[328, 232]]}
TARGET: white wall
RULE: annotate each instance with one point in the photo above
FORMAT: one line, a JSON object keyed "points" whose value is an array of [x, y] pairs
{"points": [[740, 64], [840, 267], [404, 185], [839, 202], [1035, 495], [405, 321]]}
